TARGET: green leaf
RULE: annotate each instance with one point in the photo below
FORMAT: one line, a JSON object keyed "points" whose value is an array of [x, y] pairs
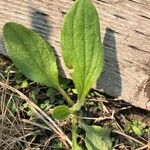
{"points": [[97, 138], [12, 106], [33, 96], [74, 91], [25, 105], [81, 45], [31, 54], [75, 146], [24, 84], [137, 130], [61, 112], [30, 113]]}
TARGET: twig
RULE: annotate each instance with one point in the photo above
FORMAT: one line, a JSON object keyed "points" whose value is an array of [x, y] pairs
{"points": [[129, 137], [41, 114], [96, 119], [35, 124], [143, 147]]}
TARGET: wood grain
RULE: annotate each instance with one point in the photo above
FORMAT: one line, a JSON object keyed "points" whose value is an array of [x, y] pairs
{"points": [[125, 30]]}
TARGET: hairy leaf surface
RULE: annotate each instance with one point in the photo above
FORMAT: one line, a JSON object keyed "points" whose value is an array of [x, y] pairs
{"points": [[97, 138], [31, 54], [81, 45]]}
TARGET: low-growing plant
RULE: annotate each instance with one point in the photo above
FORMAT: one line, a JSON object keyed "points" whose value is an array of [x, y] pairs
{"points": [[83, 55], [137, 127]]}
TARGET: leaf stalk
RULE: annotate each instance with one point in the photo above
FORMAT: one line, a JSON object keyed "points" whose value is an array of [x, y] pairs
{"points": [[67, 98], [74, 132]]}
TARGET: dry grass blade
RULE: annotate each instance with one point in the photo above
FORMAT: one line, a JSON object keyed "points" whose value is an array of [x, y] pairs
{"points": [[143, 148], [35, 124], [14, 140], [42, 115], [129, 137], [148, 145]]}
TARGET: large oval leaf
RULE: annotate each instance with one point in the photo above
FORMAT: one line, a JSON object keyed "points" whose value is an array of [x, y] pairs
{"points": [[31, 54], [81, 45], [97, 138]]}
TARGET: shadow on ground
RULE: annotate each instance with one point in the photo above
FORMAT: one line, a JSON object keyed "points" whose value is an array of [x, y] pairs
{"points": [[110, 80]]}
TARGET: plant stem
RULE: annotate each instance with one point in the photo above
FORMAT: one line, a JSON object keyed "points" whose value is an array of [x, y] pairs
{"points": [[74, 132], [67, 98], [76, 107]]}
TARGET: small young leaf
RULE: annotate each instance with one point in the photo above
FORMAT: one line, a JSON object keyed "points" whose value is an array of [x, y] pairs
{"points": [[30, 113], [137, 130], [12, 106], [25, 105], [31, 54], [97, 138], [81, 45], [24, 84], [61, 112], [33, 96]]}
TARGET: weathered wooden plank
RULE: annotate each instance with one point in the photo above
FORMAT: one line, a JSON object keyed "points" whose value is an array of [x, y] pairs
{"points": [[125, 26]]}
